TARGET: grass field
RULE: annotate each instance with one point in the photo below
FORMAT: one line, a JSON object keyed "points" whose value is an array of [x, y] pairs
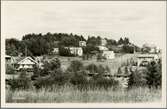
{"points": [[71, 95]]}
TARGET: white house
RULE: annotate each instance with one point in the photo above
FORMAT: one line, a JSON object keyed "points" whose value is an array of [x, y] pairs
{"points": [[103, 42], [108, 54], [146, 58], [103, 48], [82, 43], [55, 50], [26, 63], [76, 51]]}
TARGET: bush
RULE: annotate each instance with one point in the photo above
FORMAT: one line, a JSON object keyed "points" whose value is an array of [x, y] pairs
{"points": [[10, 69], [137, 78], [79, 78], [51, 75], [106, 83], [22, 82], [75, 66]]}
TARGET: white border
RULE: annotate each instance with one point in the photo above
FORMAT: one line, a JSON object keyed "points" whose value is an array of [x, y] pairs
{"points": [[81, 105]]}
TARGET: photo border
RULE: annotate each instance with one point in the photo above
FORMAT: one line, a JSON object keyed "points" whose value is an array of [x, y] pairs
{"points": [[4, 106]]}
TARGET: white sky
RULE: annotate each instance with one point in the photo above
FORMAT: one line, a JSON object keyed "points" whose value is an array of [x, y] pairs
{"points": [[141, 21]]}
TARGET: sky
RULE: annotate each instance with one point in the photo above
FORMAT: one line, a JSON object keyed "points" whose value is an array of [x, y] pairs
{"points": [[140, 21]]}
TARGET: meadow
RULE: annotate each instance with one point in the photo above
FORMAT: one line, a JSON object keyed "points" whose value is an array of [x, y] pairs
{"points": [[68, 94], [71, 94]]}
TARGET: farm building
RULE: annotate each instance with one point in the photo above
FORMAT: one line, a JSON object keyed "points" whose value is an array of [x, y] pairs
{"points": [[82, 43], [26, 63], [108, 54], [144, 59]]}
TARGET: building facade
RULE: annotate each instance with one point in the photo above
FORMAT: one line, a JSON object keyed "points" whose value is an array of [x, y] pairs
{"points": [[76, 51]]}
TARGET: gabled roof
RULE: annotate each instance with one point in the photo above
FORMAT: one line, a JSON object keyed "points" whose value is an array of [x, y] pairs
{"points": [[27, 58]]}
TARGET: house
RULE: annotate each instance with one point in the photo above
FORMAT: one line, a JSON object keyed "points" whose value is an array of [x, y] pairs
{"points": [[82, 43], [26, 63], [102, 48], [108, 54], [144, 59], [75, 50], [103, 42], [40, 61], [55, 51]]}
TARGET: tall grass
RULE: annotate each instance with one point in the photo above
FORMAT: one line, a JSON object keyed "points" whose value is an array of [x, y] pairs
{"points": [[70, 94]]}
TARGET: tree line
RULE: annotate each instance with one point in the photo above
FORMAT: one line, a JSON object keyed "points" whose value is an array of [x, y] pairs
{"points": [[43, 44]]}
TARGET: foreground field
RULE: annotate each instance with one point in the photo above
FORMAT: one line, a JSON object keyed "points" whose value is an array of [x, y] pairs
{"points": [[72, 95]]}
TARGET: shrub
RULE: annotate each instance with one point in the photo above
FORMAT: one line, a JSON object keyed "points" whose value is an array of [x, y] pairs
{"points": [[92, 68]]}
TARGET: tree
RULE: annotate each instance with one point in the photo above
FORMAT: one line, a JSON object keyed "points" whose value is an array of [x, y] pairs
{"points": [[126, 40], [64, 51], [10, 69], [154, 74], [145, 48], [127, 49], [99, 57], [120, 41]]}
